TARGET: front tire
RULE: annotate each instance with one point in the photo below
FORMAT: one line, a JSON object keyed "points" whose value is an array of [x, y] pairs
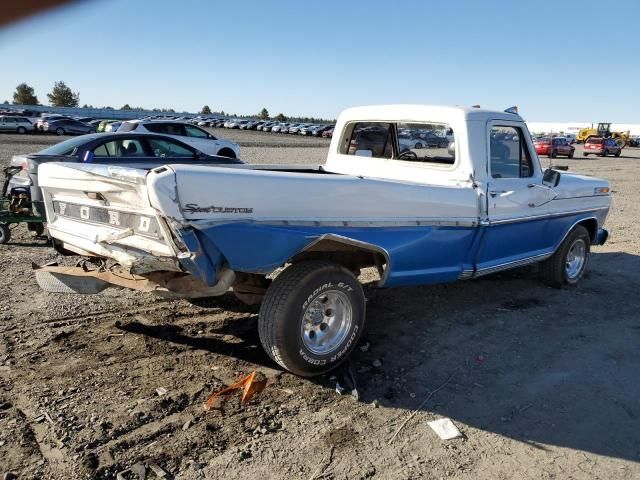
{"points": [[22, 130], [227, 152], [554, 154], [312, 317], [569, 262], [59, 131], [571, 153]]}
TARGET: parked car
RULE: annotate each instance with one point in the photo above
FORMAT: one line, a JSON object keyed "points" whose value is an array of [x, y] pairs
{"points": [[135, 150], [317, 132], [84, 119], [295, 128], [49, 117], [601, 146], [191, 134], [278, 127], [16, 124], [67, 126], [428, 138], [552, 147], [493, 209], [307, 130], [634, 141], [328, 133]]}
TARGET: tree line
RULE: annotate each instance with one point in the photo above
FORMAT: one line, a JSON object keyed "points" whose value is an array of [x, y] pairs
{"points": [[62, 96]]}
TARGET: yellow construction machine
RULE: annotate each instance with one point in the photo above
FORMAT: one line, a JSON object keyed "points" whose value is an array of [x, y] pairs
{"points": [[603, 130]]}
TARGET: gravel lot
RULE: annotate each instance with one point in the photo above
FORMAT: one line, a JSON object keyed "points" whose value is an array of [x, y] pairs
{"points": [[542, 383]]}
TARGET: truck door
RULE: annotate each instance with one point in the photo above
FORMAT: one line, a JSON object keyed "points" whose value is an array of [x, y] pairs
{"points": [[517, 200]]}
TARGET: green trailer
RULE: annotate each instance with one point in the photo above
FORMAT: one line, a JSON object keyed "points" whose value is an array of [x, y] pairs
{"points": [[13, 214]]}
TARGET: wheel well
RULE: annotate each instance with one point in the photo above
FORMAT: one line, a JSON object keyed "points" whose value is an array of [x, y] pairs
{"points": [[350, 254], [227, 152], [591, 224]]}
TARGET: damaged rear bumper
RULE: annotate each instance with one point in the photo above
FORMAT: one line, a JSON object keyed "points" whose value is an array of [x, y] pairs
{"points": [[79, 280]]}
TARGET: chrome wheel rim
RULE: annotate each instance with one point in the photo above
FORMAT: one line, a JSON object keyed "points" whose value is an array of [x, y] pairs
{"points": [[326, 322], [576, 258]]}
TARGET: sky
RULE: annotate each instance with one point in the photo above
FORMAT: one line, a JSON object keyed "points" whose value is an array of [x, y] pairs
{"points": [[558, 61]]}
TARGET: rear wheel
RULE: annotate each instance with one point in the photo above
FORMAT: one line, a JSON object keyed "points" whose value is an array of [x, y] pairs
{"points": [[5, 233], [554, 154], [571, 153], [585, 154], [618, 153], [59, 131], [312, 317], [22, 130], [569, 262]]}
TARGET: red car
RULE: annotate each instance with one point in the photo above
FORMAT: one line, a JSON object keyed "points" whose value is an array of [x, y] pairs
{"points": [[552, 147], [327, 133], [601, 146]]}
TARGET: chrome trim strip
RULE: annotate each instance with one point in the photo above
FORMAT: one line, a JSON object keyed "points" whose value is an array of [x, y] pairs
{"points": [[514, 264], [427, 222], [466, 275], [546, 215], [359, 244]]}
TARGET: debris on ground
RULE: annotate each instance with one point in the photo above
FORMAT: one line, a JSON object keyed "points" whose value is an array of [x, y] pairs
{"points": [[445, 428], [161, 391], [250, 386]]}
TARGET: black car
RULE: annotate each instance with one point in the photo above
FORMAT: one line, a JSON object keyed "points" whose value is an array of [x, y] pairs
{"points": [[67, 126], [317, 132], [134, 150]]}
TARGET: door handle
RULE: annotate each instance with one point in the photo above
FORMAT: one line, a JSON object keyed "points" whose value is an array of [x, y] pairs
{"points": [[493, 193]]}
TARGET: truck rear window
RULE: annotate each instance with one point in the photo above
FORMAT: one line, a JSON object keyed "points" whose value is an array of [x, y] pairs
{"points": [[413, 142], [594, 140]]}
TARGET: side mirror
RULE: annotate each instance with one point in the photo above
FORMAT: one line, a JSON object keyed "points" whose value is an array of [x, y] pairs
{"points": [[551, 177]]}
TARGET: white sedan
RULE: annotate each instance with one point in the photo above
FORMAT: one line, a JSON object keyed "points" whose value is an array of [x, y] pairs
{"points": [[197, 137]]}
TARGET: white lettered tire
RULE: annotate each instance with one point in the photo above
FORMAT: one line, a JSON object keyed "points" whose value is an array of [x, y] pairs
{"points": [[312, 317]]}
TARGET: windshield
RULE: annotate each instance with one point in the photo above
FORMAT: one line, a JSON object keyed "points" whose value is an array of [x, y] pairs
{"points": [[64, 148]]}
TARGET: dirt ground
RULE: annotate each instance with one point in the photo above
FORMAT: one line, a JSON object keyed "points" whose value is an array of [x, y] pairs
{"points": [[542, 383]]}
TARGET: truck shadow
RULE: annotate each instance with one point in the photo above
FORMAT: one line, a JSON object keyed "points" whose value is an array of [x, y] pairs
{"points": [[539, 365], [513, 357]]}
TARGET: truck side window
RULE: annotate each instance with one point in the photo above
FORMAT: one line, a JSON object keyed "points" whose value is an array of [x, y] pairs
{"points": [[370, 139], [510, 156]]}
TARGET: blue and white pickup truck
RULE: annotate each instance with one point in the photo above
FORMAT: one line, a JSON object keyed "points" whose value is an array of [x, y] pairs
{"points": [[420, 212]]}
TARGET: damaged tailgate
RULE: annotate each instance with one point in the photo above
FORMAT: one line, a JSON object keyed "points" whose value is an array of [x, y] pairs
{"points": [[104, 211]]}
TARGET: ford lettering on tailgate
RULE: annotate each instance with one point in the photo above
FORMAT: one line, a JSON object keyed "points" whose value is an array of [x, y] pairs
{"points": [[141, 225]]}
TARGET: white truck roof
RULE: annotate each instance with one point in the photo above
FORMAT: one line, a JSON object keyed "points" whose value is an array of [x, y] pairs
{"points": [[430, 113]]}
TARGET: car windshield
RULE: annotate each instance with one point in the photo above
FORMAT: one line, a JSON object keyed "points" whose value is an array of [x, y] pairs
{"points": [[63, 148]]}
